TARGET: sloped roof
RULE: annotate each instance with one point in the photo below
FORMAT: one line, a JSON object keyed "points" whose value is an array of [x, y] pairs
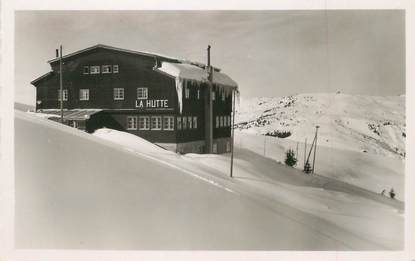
{"points": [[107, 47], [41, 77], [74, 114], [192, 72]]}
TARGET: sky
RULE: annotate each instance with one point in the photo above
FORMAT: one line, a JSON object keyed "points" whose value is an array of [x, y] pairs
{"points": [[268, 53]]}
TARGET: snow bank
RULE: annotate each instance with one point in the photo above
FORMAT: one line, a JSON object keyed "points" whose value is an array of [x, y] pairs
{"points": [[121, 192], [325, 198], [43, 115], [109, 199], [129, 141]]}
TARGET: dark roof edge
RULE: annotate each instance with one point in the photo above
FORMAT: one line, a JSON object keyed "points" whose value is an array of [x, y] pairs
{"points": [[41, 78], [115, 49]]}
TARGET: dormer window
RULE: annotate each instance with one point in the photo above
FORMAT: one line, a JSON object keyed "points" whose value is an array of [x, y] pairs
{"points": [[106, 69], [94, 69]]}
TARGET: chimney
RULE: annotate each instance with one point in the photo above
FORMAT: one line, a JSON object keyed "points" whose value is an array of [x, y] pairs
{"points": [[57, 53], [209, 67]]}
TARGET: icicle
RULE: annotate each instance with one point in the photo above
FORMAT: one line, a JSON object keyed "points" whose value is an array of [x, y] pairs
{"points": [[188, 83], [179, 90], [238, 97]]}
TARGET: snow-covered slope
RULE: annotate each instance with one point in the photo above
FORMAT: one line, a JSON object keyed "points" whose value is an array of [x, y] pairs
{"points": [[361, 139], [368, 124], [369, 171], [114, 190]]}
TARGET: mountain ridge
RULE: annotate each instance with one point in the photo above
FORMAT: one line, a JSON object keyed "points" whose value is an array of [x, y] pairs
{"points": [[369, 124]]}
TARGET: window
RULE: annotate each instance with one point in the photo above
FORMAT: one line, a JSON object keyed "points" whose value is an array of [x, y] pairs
{"points": [[131, 122], [186, 92], [221, 121], [213, 96], [84, 94], [189, 121], [86, 70], [215, 148], [65, 95], [223, 95], [179, 122], [229, 120], [118, 94], [142, 93], [195, 122], [94, 69], [198, 94], [115, 68], [217, 121], [184, 123], [168, 122], [106, 69], [156, 122], [144, 122]]}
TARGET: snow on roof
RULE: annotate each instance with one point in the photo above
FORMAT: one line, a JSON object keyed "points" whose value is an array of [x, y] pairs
{"points": [[75, 114], [184, 71]]}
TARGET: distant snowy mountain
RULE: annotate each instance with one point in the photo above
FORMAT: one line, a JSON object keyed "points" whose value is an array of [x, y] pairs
{"points": [[368, 124]]}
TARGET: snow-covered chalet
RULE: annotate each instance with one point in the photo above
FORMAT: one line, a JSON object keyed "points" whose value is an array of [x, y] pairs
{"points": [[180, 105]]}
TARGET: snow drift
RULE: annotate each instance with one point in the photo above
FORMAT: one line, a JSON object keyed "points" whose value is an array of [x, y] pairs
{"points": [[115, 191]]}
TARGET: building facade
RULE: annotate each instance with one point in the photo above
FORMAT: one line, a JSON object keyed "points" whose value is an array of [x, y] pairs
{"points": [[170, 102]]}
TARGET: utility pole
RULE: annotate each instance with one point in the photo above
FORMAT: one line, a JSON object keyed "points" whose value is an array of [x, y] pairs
{"points": [[307, 167], [60, 82], [305, 149], [209, 107], [315, 148], [233, 129]]}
